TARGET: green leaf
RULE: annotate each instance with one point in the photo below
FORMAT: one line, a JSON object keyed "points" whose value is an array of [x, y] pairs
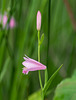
{"points": [[42, 38], [50, 80], [3, 5], [48, 92], [66, 90], [4, 69], [35, 96], [46, 76]]}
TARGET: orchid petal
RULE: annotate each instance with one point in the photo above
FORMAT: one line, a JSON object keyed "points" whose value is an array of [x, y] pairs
{"points": [[32, 65]]}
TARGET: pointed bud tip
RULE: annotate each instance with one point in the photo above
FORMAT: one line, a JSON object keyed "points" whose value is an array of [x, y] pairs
{"points": [[39, 12], [38, 20]]}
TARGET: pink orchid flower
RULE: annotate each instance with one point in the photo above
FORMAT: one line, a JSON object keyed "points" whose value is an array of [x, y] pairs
{"points": [[32, 65], [5, 18], [38, 20], [12, 23]]}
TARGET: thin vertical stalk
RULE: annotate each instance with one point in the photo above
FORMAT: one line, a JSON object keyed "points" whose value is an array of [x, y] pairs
{"points": [[48, 30], [39, 61], [38, 46], [39, 57], [48, 38], [42, 95]]}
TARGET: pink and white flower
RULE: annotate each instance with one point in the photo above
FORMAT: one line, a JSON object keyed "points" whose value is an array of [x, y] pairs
{"points": [[32, 65], [5, 18], [12, 23], [38, 20]]}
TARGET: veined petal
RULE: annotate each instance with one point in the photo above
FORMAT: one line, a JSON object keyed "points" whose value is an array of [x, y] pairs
{"points": [[29, 64], [32, 61]]}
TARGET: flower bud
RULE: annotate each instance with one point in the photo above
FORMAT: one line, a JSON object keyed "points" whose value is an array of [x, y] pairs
{"points": [[38, 20]]}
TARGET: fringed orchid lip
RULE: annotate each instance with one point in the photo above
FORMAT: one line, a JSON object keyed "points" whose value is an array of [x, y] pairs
{"points": [[32, 65]]}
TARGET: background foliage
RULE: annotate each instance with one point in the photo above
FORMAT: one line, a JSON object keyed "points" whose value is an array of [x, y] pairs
{"points": [[23, 40], [66, 89]]}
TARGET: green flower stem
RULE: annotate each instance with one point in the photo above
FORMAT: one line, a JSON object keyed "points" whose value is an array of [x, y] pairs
{"points": [[39, 58], [42, 95], [39, 46]]}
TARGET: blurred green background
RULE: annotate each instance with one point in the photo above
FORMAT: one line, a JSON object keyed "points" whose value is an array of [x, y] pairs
{"points": [[23, 40]]}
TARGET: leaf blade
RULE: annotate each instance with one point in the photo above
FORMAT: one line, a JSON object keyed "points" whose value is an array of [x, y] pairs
{"points": [[4, 69], [42, 38], [50, 80]]}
